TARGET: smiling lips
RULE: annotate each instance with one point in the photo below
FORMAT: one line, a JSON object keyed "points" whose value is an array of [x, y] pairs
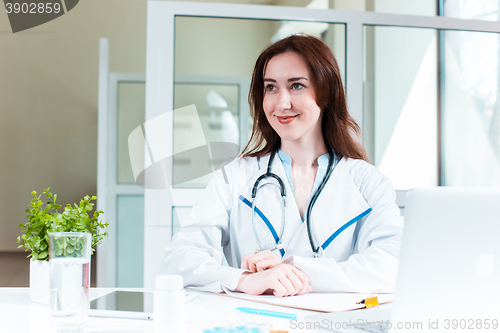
{"points": [[286, 119]]}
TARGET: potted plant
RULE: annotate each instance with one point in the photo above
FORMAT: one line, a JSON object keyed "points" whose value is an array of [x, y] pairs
{"points": [[46, 218]]}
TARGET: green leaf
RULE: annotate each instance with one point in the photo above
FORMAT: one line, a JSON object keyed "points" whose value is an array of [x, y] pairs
{"points": [[45, 217]]}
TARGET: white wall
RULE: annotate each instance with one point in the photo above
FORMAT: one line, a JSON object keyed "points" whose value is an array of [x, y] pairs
{"points": [[48, 89]]}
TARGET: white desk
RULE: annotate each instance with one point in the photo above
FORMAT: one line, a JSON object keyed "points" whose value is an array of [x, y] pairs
{"points": [[19, 315]]}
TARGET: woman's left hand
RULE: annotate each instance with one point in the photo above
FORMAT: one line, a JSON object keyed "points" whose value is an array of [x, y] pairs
{"points": [[259, 261], [283, 280]]}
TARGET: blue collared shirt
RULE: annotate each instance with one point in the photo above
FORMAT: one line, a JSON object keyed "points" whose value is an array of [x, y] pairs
{"points": [[320, 174]]}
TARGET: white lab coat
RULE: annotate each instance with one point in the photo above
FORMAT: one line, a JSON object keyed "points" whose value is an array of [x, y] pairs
{"points": [[362, 258]]}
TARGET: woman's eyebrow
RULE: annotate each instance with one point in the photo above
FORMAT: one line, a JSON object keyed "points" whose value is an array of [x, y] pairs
{"points": [[297, 78], [292, 79]]}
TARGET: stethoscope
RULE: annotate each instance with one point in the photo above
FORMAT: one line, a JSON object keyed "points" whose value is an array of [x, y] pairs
{"points": [[317, 250]]}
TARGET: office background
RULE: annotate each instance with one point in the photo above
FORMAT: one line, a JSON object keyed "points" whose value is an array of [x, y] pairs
{"points": [[49, 93]]}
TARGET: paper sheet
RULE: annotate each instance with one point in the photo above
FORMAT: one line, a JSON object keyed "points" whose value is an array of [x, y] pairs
{"points": [[190, 295], [322, 302]]}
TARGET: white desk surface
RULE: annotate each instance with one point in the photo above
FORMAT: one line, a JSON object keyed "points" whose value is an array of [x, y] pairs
{"points": [[18, 314]]}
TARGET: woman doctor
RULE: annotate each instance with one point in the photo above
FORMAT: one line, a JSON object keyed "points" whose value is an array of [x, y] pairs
{"points": [[300, 210]]}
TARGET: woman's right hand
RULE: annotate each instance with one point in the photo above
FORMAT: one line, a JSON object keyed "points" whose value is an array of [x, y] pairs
{"points": [[259, 261], [282, 280]]}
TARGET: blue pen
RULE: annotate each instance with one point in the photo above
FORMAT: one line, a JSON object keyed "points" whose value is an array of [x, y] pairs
{"points": [[268, 313]]}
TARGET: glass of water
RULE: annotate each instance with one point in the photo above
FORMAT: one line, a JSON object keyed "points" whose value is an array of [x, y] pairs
{"points": [[69, 261]]}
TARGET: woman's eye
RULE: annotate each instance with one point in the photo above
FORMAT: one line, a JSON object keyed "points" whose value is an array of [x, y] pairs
{"points": [[297, 86], [269, 87]]}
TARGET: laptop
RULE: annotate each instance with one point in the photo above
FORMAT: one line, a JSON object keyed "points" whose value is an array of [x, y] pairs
{"points": [[449, 270]]}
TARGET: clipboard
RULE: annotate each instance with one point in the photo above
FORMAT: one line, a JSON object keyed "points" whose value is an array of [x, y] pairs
{"points": [[320, 302]]}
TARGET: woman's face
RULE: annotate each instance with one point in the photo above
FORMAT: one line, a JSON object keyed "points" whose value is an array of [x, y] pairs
{"points": [[290, 98]]}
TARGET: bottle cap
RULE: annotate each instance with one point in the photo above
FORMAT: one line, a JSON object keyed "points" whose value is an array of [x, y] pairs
{"points": [[169, 282]]}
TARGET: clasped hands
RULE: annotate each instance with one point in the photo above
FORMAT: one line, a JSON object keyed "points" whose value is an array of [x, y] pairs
{"points": [[269, 274]]}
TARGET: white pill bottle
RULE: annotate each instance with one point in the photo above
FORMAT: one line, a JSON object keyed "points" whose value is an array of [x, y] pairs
{"points": [[169, 304]]}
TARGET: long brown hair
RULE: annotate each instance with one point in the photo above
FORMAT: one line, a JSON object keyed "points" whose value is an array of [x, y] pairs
{"points": [[340, 131]]}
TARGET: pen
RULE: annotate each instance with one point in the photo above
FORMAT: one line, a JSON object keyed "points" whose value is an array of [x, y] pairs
{"points": [[268, 313]]}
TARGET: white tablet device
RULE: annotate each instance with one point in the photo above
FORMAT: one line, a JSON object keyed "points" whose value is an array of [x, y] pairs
{"points": [[123, 304], [127, 304]]}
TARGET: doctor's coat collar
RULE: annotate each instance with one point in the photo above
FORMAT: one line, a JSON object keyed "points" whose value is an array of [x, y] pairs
{"points": [[322, 160]]}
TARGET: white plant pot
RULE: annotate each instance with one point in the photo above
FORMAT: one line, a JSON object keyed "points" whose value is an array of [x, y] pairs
{"points": [[40, 282]]}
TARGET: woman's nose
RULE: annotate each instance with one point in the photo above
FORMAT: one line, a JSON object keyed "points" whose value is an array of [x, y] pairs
{"points": [[284, 102]]}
